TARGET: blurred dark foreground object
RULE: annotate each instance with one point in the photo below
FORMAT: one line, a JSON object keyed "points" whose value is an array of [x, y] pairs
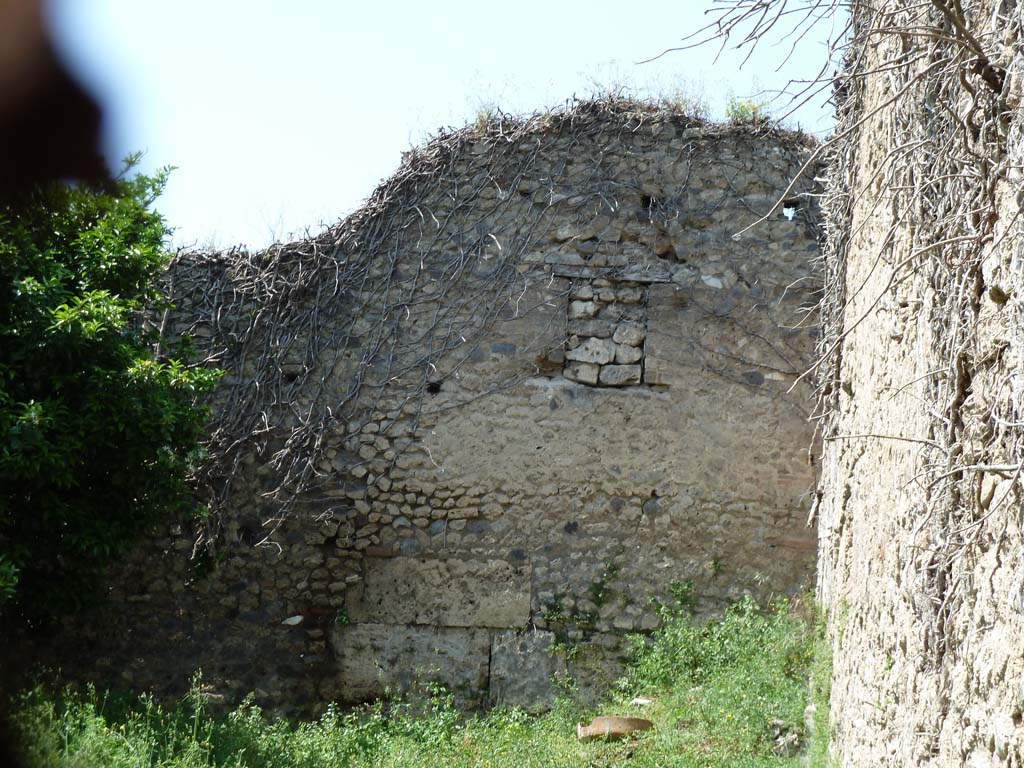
{"points": [[49, 130], [49, 126]]}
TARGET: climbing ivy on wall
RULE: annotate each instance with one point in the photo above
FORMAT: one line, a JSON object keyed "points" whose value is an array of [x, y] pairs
{"points": [[98, 428]]}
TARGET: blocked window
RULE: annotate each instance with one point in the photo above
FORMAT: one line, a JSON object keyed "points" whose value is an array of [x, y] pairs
{"points": [[607, 329]]}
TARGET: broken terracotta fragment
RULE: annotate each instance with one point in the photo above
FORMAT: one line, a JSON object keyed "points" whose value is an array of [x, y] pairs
{"points": [[611, 728]]}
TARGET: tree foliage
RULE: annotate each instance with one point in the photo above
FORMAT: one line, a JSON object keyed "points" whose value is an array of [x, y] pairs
{"points": [[97, 434]]}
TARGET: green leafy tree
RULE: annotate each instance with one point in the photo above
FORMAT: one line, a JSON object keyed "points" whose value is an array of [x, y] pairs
{"points": [[97, 435]]}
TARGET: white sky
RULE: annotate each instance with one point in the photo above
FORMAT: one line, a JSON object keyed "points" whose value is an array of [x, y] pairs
{"points": [[283, 116]]}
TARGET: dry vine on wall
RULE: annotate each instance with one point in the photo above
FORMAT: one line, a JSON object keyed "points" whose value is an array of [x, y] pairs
{"points": [[316, 333], [944, 124]]}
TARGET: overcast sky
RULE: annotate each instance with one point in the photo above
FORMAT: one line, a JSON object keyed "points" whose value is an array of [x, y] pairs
{"points": [[283, 116]]}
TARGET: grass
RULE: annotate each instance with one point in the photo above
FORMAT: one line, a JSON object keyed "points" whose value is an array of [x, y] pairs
{"points": [[820, 695], [721, 691]]}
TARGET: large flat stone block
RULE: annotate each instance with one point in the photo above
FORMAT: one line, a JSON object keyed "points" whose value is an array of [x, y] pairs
{"points": [[523, 669], [443, 592], [374, 659]]}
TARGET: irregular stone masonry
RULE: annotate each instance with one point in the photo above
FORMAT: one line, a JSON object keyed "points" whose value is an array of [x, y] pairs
{"points": [[527, 393]]}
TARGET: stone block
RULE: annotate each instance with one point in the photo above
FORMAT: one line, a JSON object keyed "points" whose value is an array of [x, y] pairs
{"points": [[373, 659], [579, 309], [563, 232], [627, 355], [592, 350], [632, 334], [583, 291], [584, 373], [712, 282], [630, 294], [443, 592], [522, 670], [660, 272], [619, 375], [602, 329], [565, 259]]}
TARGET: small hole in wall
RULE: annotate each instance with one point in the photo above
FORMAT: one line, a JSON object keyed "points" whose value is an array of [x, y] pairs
{"points": [[433, 387], [247, 535], [789, 208], [646, 202], [651, 506]]}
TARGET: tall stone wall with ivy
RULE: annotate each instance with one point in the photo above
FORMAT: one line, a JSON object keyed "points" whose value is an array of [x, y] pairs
{"points": [[478, 431], [921, 539]]}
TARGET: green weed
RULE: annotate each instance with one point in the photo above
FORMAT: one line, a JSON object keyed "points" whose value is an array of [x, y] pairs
{"points": [[747, 112]]}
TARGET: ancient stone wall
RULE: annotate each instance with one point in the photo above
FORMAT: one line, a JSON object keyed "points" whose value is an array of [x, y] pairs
{"points": [[920, 563], [473, 433]]}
